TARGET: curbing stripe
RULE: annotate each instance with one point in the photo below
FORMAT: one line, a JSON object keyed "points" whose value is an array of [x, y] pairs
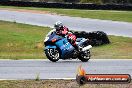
{"points": [[43, 79]]}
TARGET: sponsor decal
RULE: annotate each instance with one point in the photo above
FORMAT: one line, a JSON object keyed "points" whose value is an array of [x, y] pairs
{"points": [[83, 78]]}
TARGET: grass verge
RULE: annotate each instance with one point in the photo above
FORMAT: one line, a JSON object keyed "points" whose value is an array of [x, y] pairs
{"points": [[94, 14], [56, 84], [22, 41]]}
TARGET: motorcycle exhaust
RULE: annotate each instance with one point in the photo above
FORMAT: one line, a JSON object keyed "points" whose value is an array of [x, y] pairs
{"points": [[87, 48]]}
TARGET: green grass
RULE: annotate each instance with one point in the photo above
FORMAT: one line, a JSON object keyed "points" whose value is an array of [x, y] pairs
{"points": [[95, 14], [22, 41], [120, 47]]}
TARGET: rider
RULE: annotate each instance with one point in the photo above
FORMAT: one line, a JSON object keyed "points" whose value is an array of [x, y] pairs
{"points": [[64, 31]]}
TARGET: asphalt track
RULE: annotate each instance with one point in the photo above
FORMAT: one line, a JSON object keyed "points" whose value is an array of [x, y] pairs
{"points": [[74, 23], [29, 69]]}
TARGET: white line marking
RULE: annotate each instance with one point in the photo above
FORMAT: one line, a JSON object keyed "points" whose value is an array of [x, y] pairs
{"points": [[44, 79], [59, 60]]}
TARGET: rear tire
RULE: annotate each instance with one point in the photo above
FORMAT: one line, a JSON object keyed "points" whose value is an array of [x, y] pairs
{"points": [[84, 56], [52, 54]]}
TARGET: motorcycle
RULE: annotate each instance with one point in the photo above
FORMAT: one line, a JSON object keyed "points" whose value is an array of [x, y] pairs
{"points": [[58, 47]]}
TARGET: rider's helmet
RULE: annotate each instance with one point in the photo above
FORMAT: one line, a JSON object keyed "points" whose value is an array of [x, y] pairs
{"points": [[58, 26], [71, 38]]}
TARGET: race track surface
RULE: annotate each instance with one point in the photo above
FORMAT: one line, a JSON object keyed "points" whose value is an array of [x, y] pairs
{"points": [[29, 69], [74, 23]]}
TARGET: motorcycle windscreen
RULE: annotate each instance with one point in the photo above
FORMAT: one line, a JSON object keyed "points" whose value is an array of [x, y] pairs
{"points": [[65, 47], [54, 36]]}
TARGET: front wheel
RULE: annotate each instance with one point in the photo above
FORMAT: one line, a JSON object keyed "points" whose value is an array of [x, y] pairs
{"points": [[84, 56], [52, 54]]}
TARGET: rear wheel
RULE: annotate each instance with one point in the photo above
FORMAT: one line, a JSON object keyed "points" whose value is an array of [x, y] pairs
{"points": [[52, 54], [84, 56]]}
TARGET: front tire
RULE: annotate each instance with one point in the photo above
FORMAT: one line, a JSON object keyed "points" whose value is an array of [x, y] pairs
{"points": [[84, 56], [52, 54]]}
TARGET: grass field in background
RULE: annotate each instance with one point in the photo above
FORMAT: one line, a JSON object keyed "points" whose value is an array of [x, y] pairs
{"points": [[22, 41], [125, 16]]}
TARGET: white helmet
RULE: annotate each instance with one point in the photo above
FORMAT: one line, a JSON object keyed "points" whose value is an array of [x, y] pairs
{"points": [[58, 25]]}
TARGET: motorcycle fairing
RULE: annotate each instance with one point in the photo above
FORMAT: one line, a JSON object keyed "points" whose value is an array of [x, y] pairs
{"points": [[50, 46], [54, 36], [65, 47]]}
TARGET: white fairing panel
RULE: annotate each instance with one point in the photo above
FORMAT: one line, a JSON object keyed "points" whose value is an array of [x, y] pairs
{"points": [[87, 48], [47, 36]]}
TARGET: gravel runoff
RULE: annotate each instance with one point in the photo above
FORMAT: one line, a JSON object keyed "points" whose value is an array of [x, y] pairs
{"points": [[56, 84]]}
